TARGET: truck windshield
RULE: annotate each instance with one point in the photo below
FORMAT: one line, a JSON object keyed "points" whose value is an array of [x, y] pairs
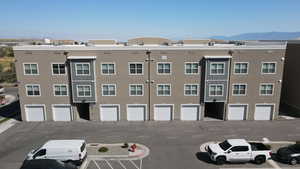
{"points": [[225, 145], [82, 147]]}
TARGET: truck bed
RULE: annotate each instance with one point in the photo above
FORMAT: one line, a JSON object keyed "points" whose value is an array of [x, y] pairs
{"points": [[258, 146]]}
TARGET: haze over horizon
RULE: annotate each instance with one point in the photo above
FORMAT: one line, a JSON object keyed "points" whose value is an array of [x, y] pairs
{"points": [[122, 20]]}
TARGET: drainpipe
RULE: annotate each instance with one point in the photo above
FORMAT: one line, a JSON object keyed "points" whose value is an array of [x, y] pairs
{"points": [[230, 52], [148, 53]]}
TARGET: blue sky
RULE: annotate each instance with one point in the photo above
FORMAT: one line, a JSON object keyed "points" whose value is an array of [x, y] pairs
{"points": [[123, 19]]}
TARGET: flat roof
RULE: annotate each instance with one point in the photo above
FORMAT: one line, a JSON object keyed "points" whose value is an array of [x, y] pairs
{"points": [[150, 47]]}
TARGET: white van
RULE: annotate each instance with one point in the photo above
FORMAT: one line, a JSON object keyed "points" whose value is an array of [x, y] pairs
{"points": [[64, 150]]}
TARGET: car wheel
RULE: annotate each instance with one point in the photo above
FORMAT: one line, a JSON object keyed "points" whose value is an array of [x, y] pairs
{"points": [[293, 161], [220, 160], [260, 159]]}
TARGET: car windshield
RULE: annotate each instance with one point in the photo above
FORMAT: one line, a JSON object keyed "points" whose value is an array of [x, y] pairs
{"points": [[82, 147], [225, 145], [295, 148]]}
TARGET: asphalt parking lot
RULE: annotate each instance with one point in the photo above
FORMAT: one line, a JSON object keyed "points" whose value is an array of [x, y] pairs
{"points": [[173, 145]]}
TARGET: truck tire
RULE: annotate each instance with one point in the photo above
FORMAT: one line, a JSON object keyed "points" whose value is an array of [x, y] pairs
{"points": [[293, 161], [220, 160], [260, 159]]}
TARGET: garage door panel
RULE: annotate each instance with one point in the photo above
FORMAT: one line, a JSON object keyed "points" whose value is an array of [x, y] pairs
{"points": [[35, 113], [237, 112], [62, 113], [263, 112], [109, 113], [190, 112], [136, 113], [163, 113]]}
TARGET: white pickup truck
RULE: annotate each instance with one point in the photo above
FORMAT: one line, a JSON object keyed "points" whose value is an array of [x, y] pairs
{"points": [[238, 150]]}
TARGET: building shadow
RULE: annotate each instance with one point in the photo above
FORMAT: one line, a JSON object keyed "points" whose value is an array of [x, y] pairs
{"points": [[11, 110]]}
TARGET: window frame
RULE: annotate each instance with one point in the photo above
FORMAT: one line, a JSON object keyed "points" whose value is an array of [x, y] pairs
{"points": [[198, 72], [60, 91], [157, 94], [129, 89], [157, 63], [260, 87], [78, 63], [31, 63], [40, 93], [262, 63], [191, 84], [77, 86], [216, 74], [234, 67], [102, 91], [135, 74], [101, 68], [59, 63], [209, 90], [246, 88]]}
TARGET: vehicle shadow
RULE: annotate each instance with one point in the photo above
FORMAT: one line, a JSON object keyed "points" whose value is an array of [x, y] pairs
{"points": [[203, 156], [11, 110]]}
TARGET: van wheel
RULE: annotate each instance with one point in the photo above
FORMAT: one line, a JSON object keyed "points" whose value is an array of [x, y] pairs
{"points": [[260, 159], [293, 161], [220, 160]]}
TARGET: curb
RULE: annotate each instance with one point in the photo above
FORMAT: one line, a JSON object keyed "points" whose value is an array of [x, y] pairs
{"points": [[8, 124]]}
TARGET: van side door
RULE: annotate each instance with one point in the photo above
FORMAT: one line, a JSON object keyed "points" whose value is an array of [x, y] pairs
{"points": [[239, 154], [41, 154]]}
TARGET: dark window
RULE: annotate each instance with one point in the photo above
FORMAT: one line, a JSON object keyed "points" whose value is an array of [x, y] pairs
{"points": [[58, 69], [225, 145], [42, 152], [82, 147], [239, 148]]}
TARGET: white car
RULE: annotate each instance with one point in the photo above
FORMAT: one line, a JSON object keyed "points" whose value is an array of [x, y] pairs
{"points": [[73, 151], [238, 150]]}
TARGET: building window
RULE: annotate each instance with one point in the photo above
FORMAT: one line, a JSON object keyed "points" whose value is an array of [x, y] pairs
{"points": [[31, 69], [192, 68], [136, 90], [163, 90], [266, 89], [239, 89], [136, 68], [190, 89], [84, 91], [108, 68], [60, 90], [268, 68], [241, 68], [215, 90], [108, 90], [217, 68], [58, 69], [82, 69], [163, 68], [33, 90]]}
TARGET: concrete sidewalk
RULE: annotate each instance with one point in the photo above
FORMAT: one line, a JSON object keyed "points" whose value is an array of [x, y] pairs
{"points": [[8, 124]]}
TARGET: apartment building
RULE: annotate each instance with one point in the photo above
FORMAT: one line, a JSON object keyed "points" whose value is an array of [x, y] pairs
{"points": [[290, 104], [150, 79]]}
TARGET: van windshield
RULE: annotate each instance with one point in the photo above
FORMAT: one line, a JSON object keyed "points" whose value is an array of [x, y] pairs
{"points": [[82, 147]]}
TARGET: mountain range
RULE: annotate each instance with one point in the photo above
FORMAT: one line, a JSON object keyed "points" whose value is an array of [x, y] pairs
{"points": [[262, 36]]}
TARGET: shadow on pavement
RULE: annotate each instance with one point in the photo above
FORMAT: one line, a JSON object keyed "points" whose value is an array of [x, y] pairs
{"points": [[203, 156], [11, 111]]}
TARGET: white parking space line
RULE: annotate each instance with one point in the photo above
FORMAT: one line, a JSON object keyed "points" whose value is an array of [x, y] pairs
{"points": [[96, 164], [122, 164], [109, 164], [134, 164], [274, 164]]}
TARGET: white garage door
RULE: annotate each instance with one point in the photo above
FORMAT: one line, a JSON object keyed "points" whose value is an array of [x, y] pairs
{"points": [[162, 112], [190, 112], [237, 112], [109, 113], [35, 113], [136, 113], [62, 113], [263, 112]]}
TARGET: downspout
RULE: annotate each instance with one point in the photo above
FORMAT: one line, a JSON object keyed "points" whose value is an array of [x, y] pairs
{"points": [[230, 52], [148, 53]]}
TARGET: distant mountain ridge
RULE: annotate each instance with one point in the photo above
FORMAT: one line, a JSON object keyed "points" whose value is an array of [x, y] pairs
{"points": [[262, 36]]}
